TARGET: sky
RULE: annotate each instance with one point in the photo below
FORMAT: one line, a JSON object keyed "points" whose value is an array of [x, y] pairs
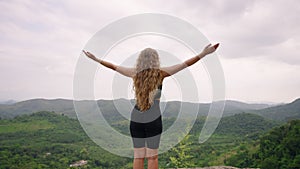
{"points": [[41, 42]]}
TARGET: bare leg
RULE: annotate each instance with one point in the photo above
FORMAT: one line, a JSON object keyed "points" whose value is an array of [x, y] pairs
{"points": [[139, 156], [152, 156], [138, 163]]}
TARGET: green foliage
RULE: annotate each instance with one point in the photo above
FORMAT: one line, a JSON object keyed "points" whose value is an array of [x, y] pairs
{"points": [[279, 148], [244, 156], [182, 157], [245, 124], [49, 140]]}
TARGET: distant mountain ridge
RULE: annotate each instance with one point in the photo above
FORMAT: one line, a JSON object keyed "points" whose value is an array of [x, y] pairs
{"points": [[244, 105], [64, 106], [8, 102], [284, 112]]}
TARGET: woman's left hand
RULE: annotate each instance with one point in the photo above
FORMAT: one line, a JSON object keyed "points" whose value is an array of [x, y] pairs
{"points": [[210, 49], [90, 55]]}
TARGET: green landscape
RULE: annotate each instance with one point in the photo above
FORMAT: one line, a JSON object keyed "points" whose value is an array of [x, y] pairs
{"points": [[44, 133]]}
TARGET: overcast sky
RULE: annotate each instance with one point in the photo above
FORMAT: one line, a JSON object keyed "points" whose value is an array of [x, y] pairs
{"points": [[41, 42]]}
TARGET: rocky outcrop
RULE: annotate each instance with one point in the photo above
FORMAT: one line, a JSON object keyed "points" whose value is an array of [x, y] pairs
{"points": [[218, 167]]}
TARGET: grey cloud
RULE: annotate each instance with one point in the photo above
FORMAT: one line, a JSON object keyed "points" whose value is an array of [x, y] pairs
{"points": [[256, 28], [44, 38]]}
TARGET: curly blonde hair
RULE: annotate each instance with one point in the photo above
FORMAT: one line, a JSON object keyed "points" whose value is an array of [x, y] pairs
{"points": [[147, 78]]}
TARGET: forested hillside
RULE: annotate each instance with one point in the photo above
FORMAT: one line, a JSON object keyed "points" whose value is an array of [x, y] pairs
{"points": [[50, 140], [278, 148], [53, 138], [284, 112]]}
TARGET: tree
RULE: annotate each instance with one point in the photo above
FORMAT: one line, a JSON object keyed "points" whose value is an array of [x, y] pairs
{"points": [[182, 151]]}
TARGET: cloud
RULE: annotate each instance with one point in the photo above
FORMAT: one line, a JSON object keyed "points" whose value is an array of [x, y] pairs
{"points": [[41, 40], [258, 28]]}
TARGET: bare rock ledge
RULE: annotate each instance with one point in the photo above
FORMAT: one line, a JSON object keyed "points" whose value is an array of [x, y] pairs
{"points": [[218, 167]]}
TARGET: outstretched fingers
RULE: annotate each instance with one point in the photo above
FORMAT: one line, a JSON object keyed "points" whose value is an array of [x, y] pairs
{"points": [[216, 45], [208, 46], [85, 52], [88, 54], [210, 49]]}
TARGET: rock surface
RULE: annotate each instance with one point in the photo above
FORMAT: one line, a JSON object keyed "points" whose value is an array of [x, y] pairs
{"points": [[218, 167]]}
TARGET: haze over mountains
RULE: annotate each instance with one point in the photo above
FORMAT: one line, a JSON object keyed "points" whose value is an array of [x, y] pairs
{"points": [[282, 112], [8, 102]]}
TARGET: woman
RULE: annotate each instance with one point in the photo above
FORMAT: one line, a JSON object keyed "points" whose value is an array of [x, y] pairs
{"points": [[145, 122]]}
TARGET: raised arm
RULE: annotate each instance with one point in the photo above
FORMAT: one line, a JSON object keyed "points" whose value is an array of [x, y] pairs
{"points": [[168, 71], [129, 72]]}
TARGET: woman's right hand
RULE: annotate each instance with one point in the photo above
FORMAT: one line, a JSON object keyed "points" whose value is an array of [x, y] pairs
{"points": [[210, 49], [90, 55]]}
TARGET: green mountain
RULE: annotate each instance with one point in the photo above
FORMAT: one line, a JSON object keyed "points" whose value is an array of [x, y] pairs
{"points": [[48, 140], [108, 107], [55, 139], [278, 148], [245, 125], [284, 112], [61, 106]]}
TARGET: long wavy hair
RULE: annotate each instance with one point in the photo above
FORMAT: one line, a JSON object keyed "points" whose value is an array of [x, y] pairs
{"points": [[147, 78]]}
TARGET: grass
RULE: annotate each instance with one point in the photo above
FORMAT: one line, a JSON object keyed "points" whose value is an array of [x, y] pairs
{"points": [[9, 127]]}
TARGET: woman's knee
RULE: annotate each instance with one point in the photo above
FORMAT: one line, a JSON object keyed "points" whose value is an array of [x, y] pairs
{"points": [[149, 158], [151, 153]]}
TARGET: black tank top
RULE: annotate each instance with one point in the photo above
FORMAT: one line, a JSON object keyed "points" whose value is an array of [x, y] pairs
{"points": [[158, 92]]}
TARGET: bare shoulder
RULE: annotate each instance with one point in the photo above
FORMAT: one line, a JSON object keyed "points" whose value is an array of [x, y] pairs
{"points": [[164, 72]]}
